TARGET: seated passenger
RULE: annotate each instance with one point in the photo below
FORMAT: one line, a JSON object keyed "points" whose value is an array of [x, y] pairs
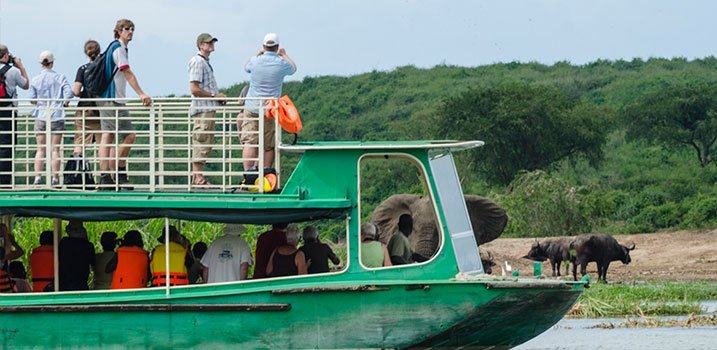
{"points": [[286, 260], [103, 279], [373, 253], [317, 254], [42, 262], [19, 278], [228, 257], [76, 256], [130, 265], [265, 245], [178, 261], [399, 248], [196, 269], [10, 251]]}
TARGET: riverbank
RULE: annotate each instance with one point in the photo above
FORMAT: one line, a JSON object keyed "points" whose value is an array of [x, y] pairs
{"points": [[663, 256]]}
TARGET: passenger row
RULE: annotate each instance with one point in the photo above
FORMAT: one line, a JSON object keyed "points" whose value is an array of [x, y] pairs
{"points": [[227, 259]]}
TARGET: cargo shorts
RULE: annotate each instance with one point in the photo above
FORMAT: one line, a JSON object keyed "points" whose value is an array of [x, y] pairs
{"points": [[250, 128]]}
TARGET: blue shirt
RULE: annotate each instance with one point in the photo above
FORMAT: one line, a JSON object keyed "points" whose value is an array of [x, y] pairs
{"points": [[50, 84], [267, 74]]}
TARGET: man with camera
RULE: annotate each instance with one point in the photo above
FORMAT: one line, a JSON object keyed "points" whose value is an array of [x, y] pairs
{"points": [[12, 75], [9, 250]]}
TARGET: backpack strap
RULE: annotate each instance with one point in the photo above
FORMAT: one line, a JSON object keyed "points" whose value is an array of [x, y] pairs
{"points": [[4, 70]]}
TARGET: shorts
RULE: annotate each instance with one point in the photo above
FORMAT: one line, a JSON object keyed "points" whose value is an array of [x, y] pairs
{"points": [[90, 125], [250, 128], [202, 135], [108, 121], [58, 125]]}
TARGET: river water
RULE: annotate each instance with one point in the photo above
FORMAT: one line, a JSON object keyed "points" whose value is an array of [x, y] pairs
{"points": [[575, 334]]}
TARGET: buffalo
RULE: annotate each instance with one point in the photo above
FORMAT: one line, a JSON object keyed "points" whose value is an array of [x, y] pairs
{"points": [[556, 251], [600, 248]]}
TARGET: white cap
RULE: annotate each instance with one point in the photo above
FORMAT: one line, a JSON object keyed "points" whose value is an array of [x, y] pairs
{"points": [[234, 229], [271, 39], [47, 57]]}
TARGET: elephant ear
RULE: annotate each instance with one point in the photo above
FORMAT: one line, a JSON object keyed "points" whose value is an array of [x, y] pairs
{"points": [[386, 215], [487, 218]]}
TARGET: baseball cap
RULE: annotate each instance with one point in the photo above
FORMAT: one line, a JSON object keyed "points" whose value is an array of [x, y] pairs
{"points": [[205, 38], [47, 57], [271, 39], [234, 229]]}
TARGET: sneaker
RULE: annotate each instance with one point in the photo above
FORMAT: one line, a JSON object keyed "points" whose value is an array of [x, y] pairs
{"points": [[38, 181], [55, 181], [106, 183], [123, 181], [249, 179]]}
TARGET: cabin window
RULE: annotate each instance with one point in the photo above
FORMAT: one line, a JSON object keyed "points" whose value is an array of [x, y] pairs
{"points": [[392, 186], [454, 210]]}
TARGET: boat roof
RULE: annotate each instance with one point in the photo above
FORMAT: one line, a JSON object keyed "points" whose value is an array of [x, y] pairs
{"points": [[451, 145]]}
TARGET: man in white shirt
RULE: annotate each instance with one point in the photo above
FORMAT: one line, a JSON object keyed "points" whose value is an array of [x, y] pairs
{"points": [[228, 258], [15, 75]]}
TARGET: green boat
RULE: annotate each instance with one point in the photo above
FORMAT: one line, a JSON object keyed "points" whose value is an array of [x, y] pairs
{"points": [[445, 302]]}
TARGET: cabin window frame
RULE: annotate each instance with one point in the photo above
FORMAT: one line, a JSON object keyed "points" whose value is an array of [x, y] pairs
{"points": [[429, 191]]}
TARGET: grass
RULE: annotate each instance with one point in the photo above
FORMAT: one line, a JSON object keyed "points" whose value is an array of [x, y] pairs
{"points": [[643, 299]]}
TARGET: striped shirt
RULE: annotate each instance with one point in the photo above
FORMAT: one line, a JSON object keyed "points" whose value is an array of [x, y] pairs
{"points": [[50, 85], [202, 72]]}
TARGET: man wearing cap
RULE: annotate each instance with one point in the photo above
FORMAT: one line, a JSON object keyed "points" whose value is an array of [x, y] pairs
{"points": [[15, 76], [49, 85], [202, 84], [266, 75], [76, 257], [228, 258]]}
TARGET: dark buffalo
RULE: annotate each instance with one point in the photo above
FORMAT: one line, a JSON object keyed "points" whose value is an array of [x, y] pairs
{"points": [[556, 251], [600, 248]]}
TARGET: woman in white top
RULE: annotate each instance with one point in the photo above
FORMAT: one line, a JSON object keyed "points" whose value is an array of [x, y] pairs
{"points": [[49, 85]]}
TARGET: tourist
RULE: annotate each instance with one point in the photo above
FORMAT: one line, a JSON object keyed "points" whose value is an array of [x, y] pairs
{"points": [[49, 85], [103, 278], [118, 120], [196, 269], [130, 265], [203, 112], [373, 253], [9, 251], [287, 260], [42, 262], [399, 248], [178, 260], [317, 254], [266, 75], [76, 256], [87, 122], [19, 278], [265, 244], [229, 256], [15, 76]]}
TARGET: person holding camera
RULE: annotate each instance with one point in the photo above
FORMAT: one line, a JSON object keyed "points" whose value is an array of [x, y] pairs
{"points": [[14, 75], [9, 251]]}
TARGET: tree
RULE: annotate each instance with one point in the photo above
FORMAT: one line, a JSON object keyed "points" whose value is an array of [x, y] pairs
{"points": [[525, 127], [678, 114]]}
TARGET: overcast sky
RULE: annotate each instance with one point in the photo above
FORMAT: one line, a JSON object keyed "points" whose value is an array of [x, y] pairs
{"points": [[330, 37]]}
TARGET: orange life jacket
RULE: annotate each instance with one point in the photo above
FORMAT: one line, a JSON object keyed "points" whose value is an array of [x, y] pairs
{"points": [[42, 267], [131, 269], [5, 281], [284, 109], [177, 271]]}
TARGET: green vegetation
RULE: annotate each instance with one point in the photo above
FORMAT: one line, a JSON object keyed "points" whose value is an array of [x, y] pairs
{"points": [[643, 299], [611, 146]]}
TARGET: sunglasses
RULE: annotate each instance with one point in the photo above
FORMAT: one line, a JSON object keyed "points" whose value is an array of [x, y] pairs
{"points": [[128, 29]]}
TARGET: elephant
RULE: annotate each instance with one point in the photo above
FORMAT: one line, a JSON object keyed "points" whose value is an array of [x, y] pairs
{"points": [[487, 219]]}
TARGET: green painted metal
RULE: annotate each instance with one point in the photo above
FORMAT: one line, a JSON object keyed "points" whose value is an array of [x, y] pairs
{"points": [[418, 304]]}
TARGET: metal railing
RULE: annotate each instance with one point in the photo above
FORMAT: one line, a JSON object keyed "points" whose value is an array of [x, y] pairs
{"points": [[160, 159]]}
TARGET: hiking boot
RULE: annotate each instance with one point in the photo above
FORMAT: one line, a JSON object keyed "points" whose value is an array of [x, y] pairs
{"points": [[124, 183], [106, 183]]}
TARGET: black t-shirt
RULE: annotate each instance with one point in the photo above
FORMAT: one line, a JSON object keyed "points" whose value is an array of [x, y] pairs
{"points": [[80, 78], [77, 255], [319, 254]]}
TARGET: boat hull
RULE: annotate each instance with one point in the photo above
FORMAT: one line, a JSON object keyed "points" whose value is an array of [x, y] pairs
{"points": [[430, 314]]}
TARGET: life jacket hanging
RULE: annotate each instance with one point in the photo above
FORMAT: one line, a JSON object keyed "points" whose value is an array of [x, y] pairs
{"points": [[289, 118]]}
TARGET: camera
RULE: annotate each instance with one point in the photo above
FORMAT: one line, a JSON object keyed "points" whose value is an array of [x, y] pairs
{"points": [[10, 58]]}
